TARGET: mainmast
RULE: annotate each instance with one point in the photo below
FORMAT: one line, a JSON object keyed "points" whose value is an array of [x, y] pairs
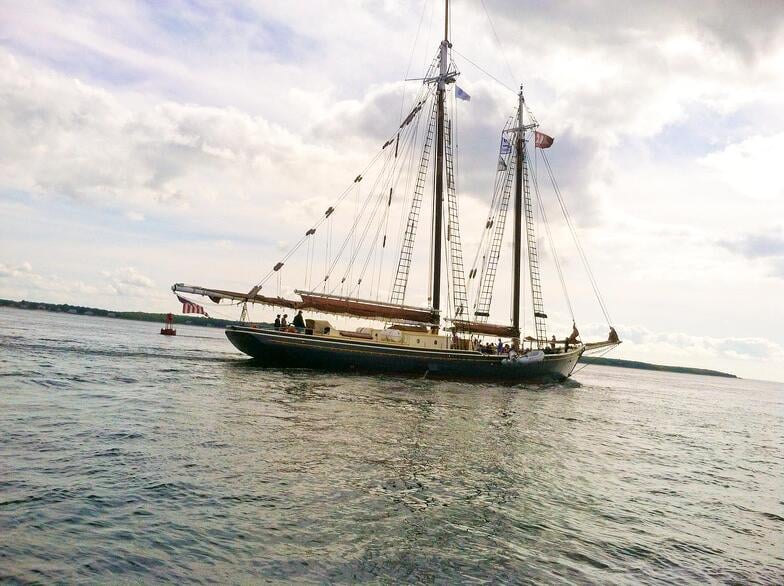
{"points": [[438, 199], [518, 218]]}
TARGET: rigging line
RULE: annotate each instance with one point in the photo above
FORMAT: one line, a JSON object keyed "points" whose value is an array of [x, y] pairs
{"points": [[380, 199], [385, 178], [371, 250], [342, 196], [350, 234], [321, 220], [487, 73], [397, 174], [587, 364], [499, 181], [580, 249], [411, 57], [498, 40], [549, 234], [410, 175]]}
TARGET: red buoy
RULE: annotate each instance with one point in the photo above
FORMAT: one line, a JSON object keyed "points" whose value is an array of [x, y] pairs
{"points": [[167, 329]]}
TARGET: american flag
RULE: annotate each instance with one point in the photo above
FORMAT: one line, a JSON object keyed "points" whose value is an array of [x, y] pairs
{"points": [[191, 307]]}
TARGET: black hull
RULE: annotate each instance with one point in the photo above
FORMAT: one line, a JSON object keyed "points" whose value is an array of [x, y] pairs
{"points": [[288, 350]]}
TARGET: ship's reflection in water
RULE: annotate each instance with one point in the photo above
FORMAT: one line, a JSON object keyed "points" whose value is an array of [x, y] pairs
{"points": [[131, 457]]}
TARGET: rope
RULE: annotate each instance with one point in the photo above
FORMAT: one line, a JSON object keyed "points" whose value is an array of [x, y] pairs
{"points": [[487, 73], [610, 349], [411, 58], [550, 238], [580, 250], [498, 40]]}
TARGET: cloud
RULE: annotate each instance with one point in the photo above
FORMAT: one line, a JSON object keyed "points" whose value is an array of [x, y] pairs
{"points": [[62, 137], [763, 245], [128, 281], [683, 348], [767, 246], [22, 281], [10, 272]]}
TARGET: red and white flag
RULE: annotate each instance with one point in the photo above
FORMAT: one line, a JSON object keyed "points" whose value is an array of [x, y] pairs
{"points": [[191, 307], [543, 141]]}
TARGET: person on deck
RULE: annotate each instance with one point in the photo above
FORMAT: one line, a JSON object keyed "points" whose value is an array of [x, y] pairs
{"points": [[552, 342], [500, 346], [277, 322], [299, 322], [572, 339], [284, 322]]}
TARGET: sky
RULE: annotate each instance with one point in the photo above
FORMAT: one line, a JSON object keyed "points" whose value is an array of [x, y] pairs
{"points": [[148, 143]]}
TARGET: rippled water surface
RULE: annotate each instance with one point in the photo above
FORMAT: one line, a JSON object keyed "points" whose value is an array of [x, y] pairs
{"points": [[129, 456]]}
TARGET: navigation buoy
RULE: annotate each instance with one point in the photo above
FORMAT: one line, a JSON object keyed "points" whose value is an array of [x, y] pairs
{"points": [[167, 329]]}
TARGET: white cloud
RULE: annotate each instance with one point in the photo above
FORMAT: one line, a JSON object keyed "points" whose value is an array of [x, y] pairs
{"points": [[7, 271], [128, 281]]}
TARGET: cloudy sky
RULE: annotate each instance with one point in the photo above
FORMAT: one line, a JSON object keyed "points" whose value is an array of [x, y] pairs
{"points": [[147, 143]]}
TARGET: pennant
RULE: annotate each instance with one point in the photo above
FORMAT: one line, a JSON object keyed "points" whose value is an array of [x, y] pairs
{"points": [[543, 141], [501, 164], [461, 94], [506, 146], [191, 307]]}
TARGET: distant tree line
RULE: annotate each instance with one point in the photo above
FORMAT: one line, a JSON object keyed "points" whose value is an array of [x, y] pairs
{"points": [[134, 315]]}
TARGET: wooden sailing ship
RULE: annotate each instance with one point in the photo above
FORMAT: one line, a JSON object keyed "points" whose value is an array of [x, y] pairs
{"points": [[411, 339]]}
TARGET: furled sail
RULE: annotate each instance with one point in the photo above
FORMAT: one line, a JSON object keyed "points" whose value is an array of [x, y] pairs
{"points": [[503, 331], [323, 302], [216, 295], [366, 308]]}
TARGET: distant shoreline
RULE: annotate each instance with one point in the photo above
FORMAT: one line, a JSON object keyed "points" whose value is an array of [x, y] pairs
{"points": [[210, 322], [620, 362]]}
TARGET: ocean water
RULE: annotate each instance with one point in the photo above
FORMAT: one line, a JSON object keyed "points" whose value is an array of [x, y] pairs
{"points": [[126, 456]]}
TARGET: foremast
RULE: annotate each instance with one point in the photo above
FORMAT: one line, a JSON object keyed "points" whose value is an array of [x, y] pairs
{"points": [[522, 204]]}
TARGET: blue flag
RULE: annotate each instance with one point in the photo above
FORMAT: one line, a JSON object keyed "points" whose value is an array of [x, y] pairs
{"points": [[461, 95], [506, 146]]}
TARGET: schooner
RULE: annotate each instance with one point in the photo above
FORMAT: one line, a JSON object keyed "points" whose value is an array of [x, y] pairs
{"points": [[413, 339]]}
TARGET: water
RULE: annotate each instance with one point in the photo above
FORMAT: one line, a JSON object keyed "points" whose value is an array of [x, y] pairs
{"points": [[129, 456]]}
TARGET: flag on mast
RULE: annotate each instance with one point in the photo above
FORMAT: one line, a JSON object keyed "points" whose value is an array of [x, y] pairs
{"points": [[191, 307], [461, 94], [542, 141], [506, 146]]}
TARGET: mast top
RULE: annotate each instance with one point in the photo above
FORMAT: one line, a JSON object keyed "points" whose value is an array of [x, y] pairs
{"points": [[446, 20]]}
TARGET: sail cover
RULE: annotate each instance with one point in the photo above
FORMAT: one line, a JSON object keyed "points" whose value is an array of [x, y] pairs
{"points": [[366, 308], [324, 303], [501, 330]]}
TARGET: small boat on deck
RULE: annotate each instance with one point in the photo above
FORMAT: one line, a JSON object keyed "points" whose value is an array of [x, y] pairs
{"points": [[439, 340]]}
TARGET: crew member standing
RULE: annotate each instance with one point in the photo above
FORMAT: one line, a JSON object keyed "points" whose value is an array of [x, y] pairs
{"points": [[299, 322]]}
